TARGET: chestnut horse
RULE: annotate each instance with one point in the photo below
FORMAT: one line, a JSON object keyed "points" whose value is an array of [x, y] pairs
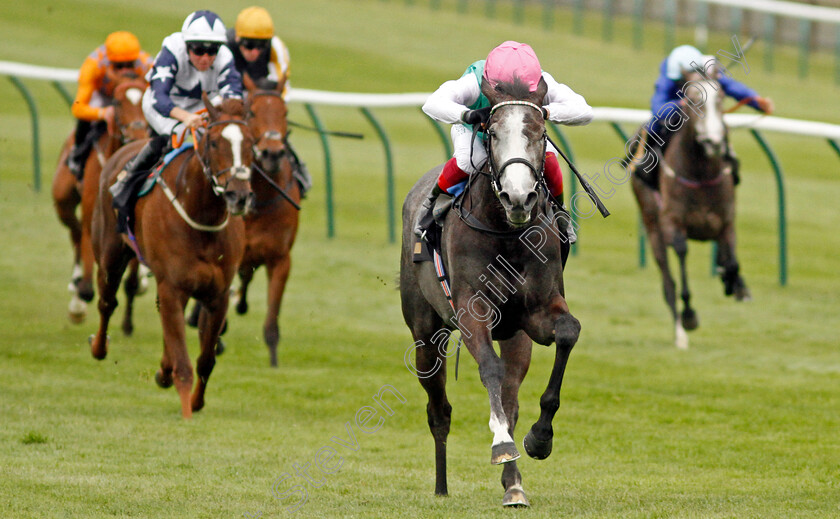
{"points": [[67, 192], [271, 227], [696, 199], [188, 233], [504, 261]]}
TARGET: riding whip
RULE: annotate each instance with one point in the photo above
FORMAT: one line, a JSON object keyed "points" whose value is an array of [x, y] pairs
{"points": [[586, 187]]}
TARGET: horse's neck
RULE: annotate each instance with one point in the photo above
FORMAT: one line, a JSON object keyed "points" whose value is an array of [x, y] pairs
{"points": [[195, 192], [690, 159], [280, 176]]}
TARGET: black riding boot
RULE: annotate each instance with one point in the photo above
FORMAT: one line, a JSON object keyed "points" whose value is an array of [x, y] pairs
{"points": [[134, 170], [81, 149], [425, 216], [301, 173]]}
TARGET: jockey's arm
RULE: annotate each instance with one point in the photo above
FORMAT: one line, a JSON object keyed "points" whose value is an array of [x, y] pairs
{"points": [[451, 99], [278, 63], [564, 106], [739, 91], [90, 76]]}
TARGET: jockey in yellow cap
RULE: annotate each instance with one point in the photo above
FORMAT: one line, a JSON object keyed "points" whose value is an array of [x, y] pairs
{"points": [[260, 54], [120, 55]]}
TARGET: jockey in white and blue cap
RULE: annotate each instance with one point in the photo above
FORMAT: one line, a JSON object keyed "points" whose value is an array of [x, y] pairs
{"points": [[190, 62]]}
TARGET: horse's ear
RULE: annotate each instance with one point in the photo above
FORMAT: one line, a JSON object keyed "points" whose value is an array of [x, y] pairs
{"points": [[212, 111], [542, 90], [248, 83], [488, 91]]}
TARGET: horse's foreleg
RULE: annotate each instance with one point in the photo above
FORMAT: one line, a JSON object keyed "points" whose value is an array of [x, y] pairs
{"points": [[109, 275], [431, 371], [516, 354], [278, 275], [539, 439], [246, 274], [733, 283], [491, 369], [171, 303], [689, 316], [669, 288], [130, 286], [209, 327]]}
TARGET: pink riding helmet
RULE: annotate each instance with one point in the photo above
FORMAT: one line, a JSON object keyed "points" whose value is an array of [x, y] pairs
{"points": [[512, 60]]}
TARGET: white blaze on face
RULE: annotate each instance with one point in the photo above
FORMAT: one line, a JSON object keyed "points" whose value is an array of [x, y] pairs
{"points": [[711, 126], [134, 95], [233, 134], [510, 141]]}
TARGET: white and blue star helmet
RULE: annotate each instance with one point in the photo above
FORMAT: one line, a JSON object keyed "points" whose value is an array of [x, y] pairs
{"points": [[681, 59], [204, 26]]}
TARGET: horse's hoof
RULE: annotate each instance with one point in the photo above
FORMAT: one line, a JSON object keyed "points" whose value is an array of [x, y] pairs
{"points": [[220, 347], [97, 350], [242, 307], [689, 319], [86, 291], [197, 404], [77, 310], [163, 381], [537, 449], [680, 337], [515, 497], [743, 294], [504, 452]]}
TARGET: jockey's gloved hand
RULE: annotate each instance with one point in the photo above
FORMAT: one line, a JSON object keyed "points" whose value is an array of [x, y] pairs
{"points": [[480, 116], [765, 104]]}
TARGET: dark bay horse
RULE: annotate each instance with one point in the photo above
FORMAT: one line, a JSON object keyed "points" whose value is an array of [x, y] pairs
{"points": [[271, 227], [187, 233], [696, 198], [504, 261], [67, 192]]}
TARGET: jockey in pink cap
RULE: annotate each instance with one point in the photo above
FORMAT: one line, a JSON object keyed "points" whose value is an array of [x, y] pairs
{"points": [[460, 103]]}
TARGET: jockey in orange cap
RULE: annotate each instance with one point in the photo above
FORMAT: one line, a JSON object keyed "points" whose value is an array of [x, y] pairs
{"points": [[460, 103], [119, 55]]}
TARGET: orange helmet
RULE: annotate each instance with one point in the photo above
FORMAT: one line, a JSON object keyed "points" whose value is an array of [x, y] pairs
{"points": [[254, 22], [122, 46]]}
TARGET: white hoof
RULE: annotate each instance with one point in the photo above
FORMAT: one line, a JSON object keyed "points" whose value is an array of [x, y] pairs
{"points": [[143, 274], [681, 337], [77, 310]]}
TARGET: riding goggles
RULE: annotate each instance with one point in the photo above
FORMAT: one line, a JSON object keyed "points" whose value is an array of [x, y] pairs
{"points": [[118, 65], [254, 43], [202, 48]]}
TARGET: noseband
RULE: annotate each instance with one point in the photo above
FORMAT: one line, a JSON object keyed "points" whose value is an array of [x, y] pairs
{"points": [[269, 135], [495, 170]]}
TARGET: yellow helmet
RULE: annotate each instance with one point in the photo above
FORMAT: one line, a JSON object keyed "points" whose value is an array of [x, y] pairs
{"points": [[122, 46], [254, 22]]}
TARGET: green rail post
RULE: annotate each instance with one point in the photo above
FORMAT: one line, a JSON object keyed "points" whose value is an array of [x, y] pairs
{"points": [[641, 228], [736, 19], [834, 145], [490, 8], [577, 17], [670, 18], [462, 6], [36, 143], [837, 55], [548, 14], [769, 41], [447, 145], [607, 33], [701, 27], [327, 170], [567, 147], [434, 5], [518, 12], [780, 188], [64, 93], [804, 47], [389, 174], [638, 23]]}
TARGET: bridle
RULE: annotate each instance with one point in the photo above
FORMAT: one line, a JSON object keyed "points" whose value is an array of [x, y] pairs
{"points": [[237, 172], [496, 170], [270, 135]]}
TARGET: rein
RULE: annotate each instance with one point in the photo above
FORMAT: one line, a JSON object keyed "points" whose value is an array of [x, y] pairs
{"points": [[274, 184]]}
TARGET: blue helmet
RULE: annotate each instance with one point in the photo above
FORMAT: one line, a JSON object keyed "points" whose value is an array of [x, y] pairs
{"points": [[204, 26], [681, 59]]}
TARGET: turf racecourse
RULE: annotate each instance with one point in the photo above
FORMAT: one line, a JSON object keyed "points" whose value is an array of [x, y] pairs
{"points": [[744, 424]]}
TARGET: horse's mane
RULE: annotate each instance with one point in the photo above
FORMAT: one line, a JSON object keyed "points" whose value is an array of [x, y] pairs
{"points": [[234, 107], [516, 89]]}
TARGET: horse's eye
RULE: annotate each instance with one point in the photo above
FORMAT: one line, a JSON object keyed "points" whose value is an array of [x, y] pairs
{"points": [[491, 132]]}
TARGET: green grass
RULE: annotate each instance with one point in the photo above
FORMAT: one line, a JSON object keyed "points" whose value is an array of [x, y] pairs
{"points": [[744, 424]]}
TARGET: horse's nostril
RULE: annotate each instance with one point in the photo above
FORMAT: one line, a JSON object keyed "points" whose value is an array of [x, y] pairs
{"points": [[531, 199], [505, 199]]}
